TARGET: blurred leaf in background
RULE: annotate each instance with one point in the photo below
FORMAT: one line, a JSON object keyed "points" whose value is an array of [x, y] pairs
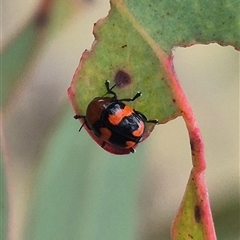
{"points": [[32, 105], [84, 196], [22, 49], [3, 202]]}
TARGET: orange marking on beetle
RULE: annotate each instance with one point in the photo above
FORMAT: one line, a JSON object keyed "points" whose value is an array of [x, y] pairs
{"points": [[139, 131], [119, 115], [130, 144], [105, 133]]}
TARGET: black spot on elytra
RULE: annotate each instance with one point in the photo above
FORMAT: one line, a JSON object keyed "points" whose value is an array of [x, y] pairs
{"points": [[197, 213], [122, 79]]}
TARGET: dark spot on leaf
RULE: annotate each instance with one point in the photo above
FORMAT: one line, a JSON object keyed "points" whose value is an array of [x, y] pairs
{"points": [[189, 235], [122, 79], [174, 100], [42, 19], [197, 213], [192, 145], [124, 46]]}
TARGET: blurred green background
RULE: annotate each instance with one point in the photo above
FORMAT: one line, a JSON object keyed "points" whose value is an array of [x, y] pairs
{"points": [[63, 186]]}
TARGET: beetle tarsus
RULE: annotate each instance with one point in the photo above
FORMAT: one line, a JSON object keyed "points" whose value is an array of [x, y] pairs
{"points": [[132, 150]]}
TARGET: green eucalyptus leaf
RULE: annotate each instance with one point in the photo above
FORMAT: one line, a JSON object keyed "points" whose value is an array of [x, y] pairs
{"points": [[173, 23], [188, 223]]}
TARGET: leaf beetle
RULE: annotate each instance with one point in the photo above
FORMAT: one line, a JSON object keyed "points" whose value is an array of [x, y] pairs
{"points": [[115, 123]]}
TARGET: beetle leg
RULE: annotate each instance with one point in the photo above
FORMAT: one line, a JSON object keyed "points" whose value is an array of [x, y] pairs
{"points": [[103, 144], [152, 121], [144, 118], [137, 95]]}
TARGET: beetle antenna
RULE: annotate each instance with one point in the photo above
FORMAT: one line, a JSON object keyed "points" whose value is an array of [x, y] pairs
{"points": [[82, 126]]}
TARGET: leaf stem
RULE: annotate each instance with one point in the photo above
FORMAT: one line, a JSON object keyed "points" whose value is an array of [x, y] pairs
{"points": [[197, 150]]}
